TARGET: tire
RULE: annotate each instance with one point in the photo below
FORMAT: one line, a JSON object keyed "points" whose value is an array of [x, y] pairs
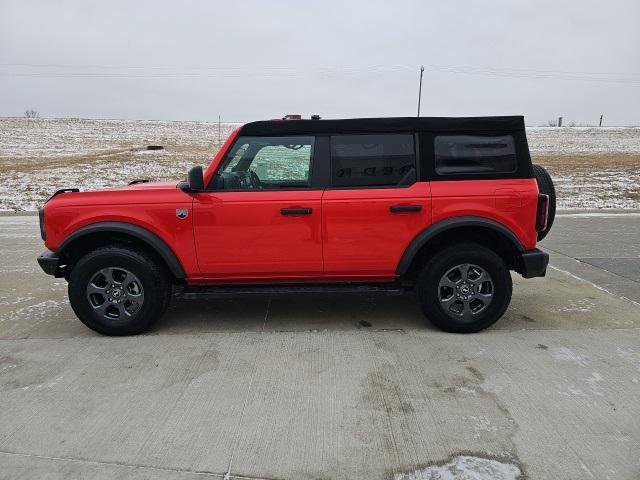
{"points": [[545, 185], [140, 283], [432, 288]]}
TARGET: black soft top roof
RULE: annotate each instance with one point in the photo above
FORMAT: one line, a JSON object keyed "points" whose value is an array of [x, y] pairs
{"points": [[386, 124]]}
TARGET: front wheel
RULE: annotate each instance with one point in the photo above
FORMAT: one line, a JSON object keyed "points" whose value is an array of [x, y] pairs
{"points": [[464, 288], [118, 291]]}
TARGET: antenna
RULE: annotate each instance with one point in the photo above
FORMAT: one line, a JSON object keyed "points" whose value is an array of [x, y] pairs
{"points": [[420, 88]]}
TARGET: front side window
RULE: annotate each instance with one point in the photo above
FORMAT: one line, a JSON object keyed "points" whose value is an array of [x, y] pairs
{"points": [[372, 160], [267, 163], [470, 154]]}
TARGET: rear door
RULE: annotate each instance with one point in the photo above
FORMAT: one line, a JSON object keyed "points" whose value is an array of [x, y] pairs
{"points": [[374, 206], [261, 217]]}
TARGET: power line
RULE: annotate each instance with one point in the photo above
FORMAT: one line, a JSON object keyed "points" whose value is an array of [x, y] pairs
{"points": [[272, 71], [319, 68]]}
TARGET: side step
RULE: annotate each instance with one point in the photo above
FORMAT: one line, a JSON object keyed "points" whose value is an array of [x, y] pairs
{"points": [[216, 291]]}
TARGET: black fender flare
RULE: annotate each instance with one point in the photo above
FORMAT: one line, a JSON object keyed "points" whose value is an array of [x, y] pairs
{"points": [[450, 223], [142, 234]]}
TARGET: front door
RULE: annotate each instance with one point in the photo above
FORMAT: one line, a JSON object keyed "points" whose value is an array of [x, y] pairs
{"points": [[261, 217], [375, 205]]}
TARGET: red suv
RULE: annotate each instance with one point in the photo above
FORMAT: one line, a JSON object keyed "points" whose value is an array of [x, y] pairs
{"points": [[442, 206]]}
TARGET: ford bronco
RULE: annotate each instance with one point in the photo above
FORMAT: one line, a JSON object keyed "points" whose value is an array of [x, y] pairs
{"points": [[445, 207]]}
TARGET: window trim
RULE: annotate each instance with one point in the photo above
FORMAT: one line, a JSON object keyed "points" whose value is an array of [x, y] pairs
{"points": [[314, 161], [416, 161]]}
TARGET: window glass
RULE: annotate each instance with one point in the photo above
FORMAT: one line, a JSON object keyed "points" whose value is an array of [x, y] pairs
{"points": [[267, 163], [371, 160], [469, 154]]}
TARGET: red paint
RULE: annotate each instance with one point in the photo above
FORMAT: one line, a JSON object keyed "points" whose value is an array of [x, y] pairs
{"points": [[240, 234], [487, 198], [362, 237]]}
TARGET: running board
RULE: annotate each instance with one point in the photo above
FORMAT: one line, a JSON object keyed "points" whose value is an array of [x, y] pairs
{"points": [[214, 291]]}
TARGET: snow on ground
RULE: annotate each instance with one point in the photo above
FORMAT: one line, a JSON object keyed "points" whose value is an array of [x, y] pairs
{"points": [[40, 156], [583, 140], [32, 139], [592, 167], [465, 467]]}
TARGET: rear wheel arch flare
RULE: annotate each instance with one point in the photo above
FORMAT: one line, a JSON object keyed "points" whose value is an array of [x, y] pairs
{"points": [[142, 235], [447, 231]]}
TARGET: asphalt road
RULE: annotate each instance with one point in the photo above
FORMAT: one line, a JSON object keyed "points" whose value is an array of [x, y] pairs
{"points": [[604, 249], [331, 387]]}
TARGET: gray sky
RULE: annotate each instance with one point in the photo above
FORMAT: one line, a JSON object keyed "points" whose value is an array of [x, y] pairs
{"points": [[247, 60]]}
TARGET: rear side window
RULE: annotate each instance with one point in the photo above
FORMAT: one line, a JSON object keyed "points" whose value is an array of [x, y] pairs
{"points": [[371, 160], [470, 154]]}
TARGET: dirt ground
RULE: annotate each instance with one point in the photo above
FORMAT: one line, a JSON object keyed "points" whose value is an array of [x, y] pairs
{"points": [[594, 181]]}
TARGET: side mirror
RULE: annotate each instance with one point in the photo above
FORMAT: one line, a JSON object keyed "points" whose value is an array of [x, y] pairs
{"points": [[196, 179]]}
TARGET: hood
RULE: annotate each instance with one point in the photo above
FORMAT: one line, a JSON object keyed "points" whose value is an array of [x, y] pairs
{"points": [[147, 192]]}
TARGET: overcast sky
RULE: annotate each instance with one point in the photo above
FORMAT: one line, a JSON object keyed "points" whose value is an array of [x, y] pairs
{"points": [[247, 60]]}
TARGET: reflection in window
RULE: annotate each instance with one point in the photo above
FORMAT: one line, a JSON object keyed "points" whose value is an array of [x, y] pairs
{"points": [[371, 160], [469, 154]]}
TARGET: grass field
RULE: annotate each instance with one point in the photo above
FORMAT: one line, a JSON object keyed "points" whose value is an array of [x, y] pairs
{"points": [[592, 167]]}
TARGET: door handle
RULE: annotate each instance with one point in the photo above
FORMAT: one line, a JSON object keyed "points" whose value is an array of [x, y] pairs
{"points": [[296, 211], [405, 208]]}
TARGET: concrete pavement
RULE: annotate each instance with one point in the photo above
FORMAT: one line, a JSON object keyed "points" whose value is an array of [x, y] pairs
{"points": [[329, 387]]}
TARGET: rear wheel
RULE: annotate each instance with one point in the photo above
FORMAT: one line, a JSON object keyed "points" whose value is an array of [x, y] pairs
{"points": [[118, 291], [464, 288]]}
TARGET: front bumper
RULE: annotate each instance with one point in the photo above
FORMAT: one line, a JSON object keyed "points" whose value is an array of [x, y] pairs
{"points": [[533, 263], [50, 263]]}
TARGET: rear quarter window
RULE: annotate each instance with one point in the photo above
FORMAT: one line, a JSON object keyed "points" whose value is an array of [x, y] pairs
{"points": [[474, 154]]}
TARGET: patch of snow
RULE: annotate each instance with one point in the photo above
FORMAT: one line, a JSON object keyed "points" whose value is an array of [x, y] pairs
{"points": [[572, 391], [468, 391], [567, 355], [630, 357], [593, 381], [579, 306], [465, 467], [481, 424]]}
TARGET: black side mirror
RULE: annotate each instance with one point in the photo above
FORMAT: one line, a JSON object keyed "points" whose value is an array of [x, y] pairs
{"points": [[196, 179]]}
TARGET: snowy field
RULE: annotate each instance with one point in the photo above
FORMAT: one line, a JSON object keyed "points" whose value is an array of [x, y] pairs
{"points": [[592, 167]]}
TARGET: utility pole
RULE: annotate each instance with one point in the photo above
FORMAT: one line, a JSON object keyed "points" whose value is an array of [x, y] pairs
{"points": [[420, 88], [219, 137], [601, 115]]}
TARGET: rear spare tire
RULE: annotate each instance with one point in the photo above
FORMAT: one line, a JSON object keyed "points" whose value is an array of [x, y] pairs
{"points": [[545, 185]]}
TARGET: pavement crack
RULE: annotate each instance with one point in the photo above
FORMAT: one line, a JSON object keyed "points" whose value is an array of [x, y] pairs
{"points": [[115, 464], [236, 436], [584, 262]]}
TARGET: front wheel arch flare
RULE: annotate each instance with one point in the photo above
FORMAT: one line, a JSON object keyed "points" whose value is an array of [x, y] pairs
{"points": [[150, 239]]}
